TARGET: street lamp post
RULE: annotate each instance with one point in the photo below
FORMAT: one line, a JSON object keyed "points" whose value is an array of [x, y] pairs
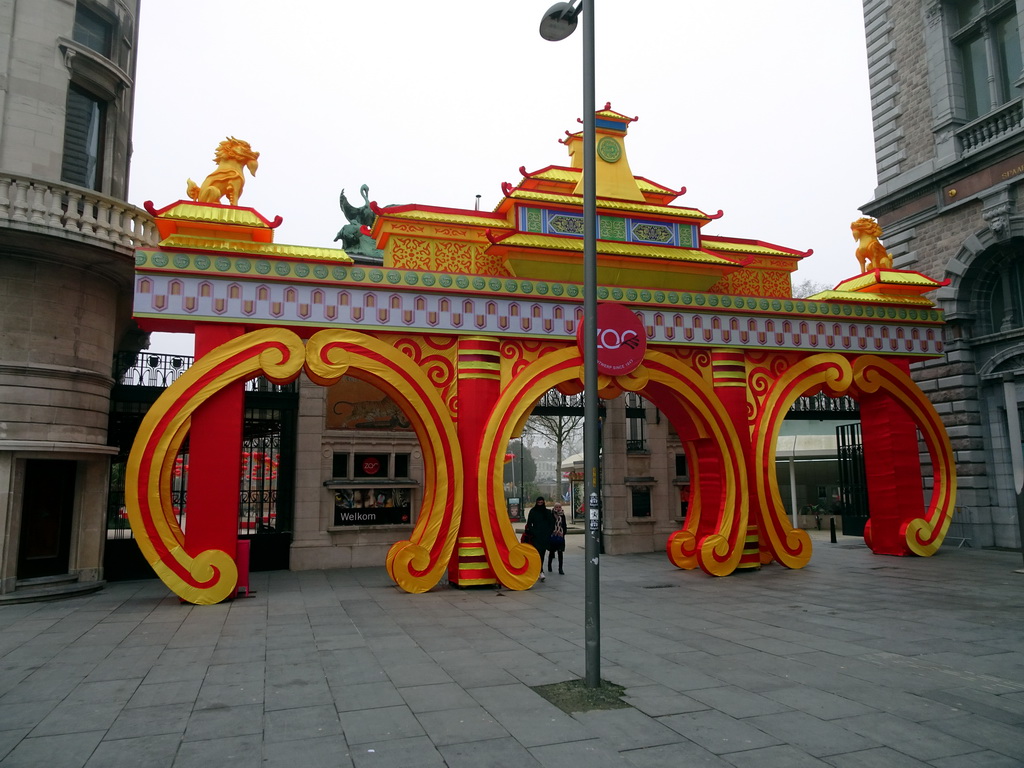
{"points": [[558, 23]]}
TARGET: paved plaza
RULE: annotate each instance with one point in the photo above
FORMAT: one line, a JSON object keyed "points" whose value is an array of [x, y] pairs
{"points": [[857, 660]]}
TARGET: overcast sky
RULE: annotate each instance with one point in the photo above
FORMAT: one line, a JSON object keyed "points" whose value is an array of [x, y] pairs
{"points": [[760, 110]]}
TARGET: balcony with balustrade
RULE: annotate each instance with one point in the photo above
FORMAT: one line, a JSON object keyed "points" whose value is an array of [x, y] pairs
{"points": [[73, 213]]}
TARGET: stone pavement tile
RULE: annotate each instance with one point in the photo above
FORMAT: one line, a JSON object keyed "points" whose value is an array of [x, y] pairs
{"points": [[349, 667], [528, 667], [234, 674], [739, 674], [104, 692], [246, 654], [124, 663], [979, 760], [235, 751], [298, 694], [908, 706], [312, 722], [77, 717], [684, 753], [70, 750], [415, 752], [219, 696], [431, 698], [175, 672], [394, 656], [821, 704], [154, 694], [381, 724], [590, 753], [186, 658], [613, 673], [657, 700], [717, 732], [783, 756], [9, 739], [25, 715], [624, 729], [320, 752], [154, 751], [493, 753], [341, 642], [456, 726], [880, 757], [366, 696], [53, 681], [478, 674], [410, 675], [529, 718], [810, 734], [1002, 709], [998, 737], [677, 677], [914, 739], [12, 674], [737, 702], [150, 721], [206, 724]]}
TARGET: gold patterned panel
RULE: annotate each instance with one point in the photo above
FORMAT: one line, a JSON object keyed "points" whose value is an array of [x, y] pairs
{"points": [[409, 253], [455, 257], [437, 356]]}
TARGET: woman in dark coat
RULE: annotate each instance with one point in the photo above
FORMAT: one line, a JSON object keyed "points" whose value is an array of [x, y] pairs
{"points": [[539, 524], [557, 545]]}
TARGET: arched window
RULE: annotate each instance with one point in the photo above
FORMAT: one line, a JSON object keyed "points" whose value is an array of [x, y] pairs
{"points": [[999, 291]]}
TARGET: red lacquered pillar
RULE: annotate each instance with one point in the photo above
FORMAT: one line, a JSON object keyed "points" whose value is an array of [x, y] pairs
{"points": [[729, 372], [479, 372], [215, 457], [892, 467]]}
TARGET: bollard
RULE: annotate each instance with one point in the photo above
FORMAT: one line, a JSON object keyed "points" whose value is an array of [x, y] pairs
{"points": [[832, 529]]}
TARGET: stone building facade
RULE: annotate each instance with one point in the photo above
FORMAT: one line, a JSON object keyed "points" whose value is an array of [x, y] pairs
{"points": [[67, 242], [948, 115]]}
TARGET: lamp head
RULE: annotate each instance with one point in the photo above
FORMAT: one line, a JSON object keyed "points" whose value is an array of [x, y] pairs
{"points": [[560, 21]]}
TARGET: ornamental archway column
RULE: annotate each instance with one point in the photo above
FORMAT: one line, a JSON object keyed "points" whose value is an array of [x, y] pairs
{"points": [[892, 468], [729, 375], [479, 383], [215, 456]]}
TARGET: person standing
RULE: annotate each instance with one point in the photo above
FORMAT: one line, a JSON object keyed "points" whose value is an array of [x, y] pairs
{"points": [[539, 524], [557, 545]]}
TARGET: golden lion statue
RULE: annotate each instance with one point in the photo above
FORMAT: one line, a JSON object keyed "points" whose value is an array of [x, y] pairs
{"points": [[232, 156], [870, 252]]}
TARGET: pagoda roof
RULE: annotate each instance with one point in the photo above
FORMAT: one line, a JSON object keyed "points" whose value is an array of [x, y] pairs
{"points": [[441, 215], [743, 247], [522, 241], [605, 203], [179, 242]]}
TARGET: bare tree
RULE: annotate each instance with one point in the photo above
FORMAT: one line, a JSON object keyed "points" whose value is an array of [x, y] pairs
{"points": [[557, 418], [806, 288]]}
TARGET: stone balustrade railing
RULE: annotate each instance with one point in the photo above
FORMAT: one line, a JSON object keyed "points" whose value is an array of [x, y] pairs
{"points": [[75, 213], [1007, 119]]}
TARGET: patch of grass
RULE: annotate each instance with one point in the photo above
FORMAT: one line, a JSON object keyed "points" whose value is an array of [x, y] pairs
{"points": [[574, 696]]}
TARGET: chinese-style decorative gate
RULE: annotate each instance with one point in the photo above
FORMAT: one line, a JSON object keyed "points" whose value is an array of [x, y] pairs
{"points": [[473, 317]]}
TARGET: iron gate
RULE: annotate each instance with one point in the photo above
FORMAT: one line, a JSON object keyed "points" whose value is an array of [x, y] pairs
{"points": [[853, 488]]}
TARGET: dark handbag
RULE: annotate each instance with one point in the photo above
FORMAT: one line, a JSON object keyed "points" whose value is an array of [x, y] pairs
{"points": [[557, 541], [526, 538]]}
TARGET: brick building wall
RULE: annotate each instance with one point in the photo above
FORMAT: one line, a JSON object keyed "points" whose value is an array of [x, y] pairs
{"points": [[947, 198]]}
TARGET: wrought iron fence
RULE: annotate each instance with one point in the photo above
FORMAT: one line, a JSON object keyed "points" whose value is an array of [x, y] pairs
{"points": [[823, 404], [143, 369]]}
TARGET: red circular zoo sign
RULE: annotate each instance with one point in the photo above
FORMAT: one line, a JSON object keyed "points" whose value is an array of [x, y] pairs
{"points": [[371, 466], [621, 340]]}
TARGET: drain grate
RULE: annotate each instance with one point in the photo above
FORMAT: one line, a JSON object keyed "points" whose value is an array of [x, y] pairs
{"points": [[658, 586]]}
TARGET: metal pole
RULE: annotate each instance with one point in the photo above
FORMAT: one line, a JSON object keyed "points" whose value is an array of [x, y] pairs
{"points": [[592, 615]]}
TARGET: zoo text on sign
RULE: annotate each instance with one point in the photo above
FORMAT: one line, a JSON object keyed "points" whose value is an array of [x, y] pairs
{"points": [[621, 340]]}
